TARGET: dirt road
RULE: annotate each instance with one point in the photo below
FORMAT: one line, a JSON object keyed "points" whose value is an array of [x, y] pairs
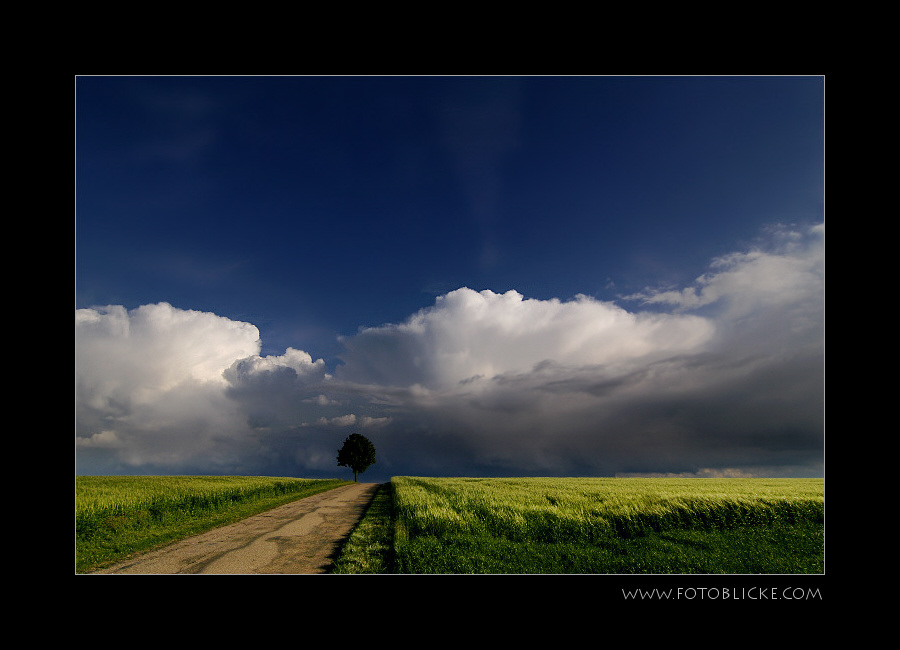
{"points": [[298, 537]]}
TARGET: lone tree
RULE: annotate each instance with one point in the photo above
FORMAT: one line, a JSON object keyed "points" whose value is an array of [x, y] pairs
{"points": [[358, 453]]}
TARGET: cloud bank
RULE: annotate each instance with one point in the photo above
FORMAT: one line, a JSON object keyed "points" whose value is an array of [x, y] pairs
{"points": [[725, 377]]}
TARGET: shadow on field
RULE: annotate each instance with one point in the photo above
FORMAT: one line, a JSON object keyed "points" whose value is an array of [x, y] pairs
{"points": [[359, 510]]}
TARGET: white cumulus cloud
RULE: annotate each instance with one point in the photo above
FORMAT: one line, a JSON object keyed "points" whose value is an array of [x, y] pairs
{"points": [[469, 335], [725, 377], [149, 381], [729, 378], [152, 388]]}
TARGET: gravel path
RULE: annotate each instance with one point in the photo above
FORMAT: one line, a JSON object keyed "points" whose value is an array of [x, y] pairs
{"points": [[298, 537]]}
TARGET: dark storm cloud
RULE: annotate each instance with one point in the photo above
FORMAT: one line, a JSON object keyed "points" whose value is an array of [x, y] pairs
{"points": [[725, 377]]}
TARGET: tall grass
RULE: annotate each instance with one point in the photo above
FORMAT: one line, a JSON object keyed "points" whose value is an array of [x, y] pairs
{"points": [[116, 516], [369, 548], [596, 525]]}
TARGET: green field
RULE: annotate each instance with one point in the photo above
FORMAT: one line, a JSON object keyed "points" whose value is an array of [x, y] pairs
{"points": [[421, 525], [593, 525], [116, 516]]}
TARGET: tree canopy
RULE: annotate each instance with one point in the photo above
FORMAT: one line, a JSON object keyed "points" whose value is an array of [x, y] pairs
{"points": [[358, 453]]}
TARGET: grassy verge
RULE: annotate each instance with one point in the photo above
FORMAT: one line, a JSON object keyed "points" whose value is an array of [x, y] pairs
{"points": [[116, 517], [370, 547]]}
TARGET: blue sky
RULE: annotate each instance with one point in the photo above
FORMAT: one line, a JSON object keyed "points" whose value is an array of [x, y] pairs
{"points": [[449, 252]]}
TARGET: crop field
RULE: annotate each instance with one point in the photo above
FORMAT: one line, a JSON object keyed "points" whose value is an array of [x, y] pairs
{"points": [[116, 516], [607, 525], [418, 525]]}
